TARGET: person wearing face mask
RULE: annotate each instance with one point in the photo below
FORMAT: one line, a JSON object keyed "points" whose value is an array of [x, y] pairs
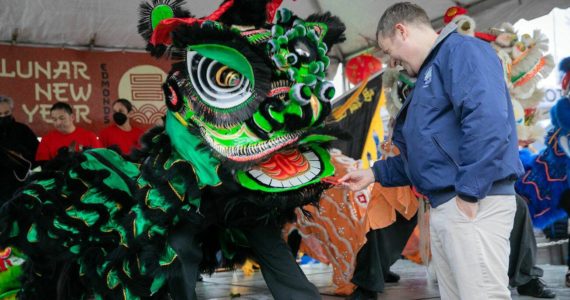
{"points": [[65, 135], [122, 133], [18, 145]]}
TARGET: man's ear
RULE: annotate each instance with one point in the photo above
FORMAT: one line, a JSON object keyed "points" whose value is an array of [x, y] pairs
{"points": [[402, 30]]}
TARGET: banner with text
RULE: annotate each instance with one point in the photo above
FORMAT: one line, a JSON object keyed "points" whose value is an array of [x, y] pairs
{"points": [[362, 120], [36, 78]]}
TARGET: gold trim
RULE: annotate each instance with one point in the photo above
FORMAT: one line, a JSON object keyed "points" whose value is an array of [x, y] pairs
{"points": [[340, 112], [180, 197], [219, 73], [180, 119], [171, 261]]}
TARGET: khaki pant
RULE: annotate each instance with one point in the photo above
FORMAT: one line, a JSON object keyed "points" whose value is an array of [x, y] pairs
{"points": [[471, 257]]}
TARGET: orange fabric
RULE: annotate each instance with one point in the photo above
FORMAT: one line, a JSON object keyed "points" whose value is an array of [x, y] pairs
{"points": [[412, 249], [385, 202], [337, 229]]}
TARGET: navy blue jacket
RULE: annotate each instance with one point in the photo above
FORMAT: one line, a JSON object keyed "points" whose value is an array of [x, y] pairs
{"points": [[456, 131]]}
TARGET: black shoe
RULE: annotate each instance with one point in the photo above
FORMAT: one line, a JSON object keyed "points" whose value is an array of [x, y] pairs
{"points": [[391, 277], [535, 288], [362, 294]]}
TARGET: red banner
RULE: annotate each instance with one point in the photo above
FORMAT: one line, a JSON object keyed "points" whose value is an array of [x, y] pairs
{"points": [[89, 81]]}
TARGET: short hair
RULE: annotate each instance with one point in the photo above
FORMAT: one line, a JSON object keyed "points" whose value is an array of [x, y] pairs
{"points": [[62, 106], [6, 99], [126, 103], [402, 12]]}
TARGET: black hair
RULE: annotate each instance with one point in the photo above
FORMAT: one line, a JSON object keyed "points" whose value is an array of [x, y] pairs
{"points": [[126, 103], [62, 106]]}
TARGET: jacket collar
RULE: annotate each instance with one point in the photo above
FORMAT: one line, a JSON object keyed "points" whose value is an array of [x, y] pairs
{"points": [[445, 32]]}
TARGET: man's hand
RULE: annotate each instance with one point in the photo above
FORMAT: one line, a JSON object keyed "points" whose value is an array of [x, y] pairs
{"points": [[358, 180], [470, 209]]}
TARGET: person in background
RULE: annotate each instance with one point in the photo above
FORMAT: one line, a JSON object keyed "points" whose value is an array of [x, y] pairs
{"points": [[65, 135], [18, 145], [523, 272], [122, 133]]}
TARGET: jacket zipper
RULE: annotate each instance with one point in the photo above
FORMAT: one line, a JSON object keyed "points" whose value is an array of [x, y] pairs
{"points": [[444, 153]]}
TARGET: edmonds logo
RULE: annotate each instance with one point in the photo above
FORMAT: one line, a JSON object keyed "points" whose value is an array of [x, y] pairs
{"points": [[143, 86]]}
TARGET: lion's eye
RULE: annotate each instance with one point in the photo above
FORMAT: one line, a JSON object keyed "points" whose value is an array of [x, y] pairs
{"points": [[216, 84], [303, 49]]}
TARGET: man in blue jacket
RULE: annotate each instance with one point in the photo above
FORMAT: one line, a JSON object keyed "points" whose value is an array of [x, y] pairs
{"points": [[457, 138]]}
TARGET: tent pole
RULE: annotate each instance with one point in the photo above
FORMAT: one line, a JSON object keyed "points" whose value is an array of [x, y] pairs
{"points": [[72, 47]]}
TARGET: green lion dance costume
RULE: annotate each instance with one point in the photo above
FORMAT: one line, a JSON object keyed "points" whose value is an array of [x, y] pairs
{"points": [[244, 144]]}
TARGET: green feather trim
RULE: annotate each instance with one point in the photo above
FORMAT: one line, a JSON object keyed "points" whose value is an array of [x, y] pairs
{"points": [[188, 146]]}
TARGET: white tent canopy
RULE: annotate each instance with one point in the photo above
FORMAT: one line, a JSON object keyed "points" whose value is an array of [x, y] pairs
{"points": [[111, 24]]}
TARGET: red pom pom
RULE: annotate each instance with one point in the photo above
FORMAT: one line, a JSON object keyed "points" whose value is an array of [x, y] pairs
{"points": [[360, 67], [452, 12]]}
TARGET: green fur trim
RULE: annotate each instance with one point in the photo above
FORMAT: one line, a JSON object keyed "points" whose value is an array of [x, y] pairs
{"points": [[113, 180], [187, 145], [9, 295], [159, 13]]}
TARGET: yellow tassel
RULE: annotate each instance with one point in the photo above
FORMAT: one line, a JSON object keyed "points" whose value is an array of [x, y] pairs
{"points": [[249, 267], [339, 112]]}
